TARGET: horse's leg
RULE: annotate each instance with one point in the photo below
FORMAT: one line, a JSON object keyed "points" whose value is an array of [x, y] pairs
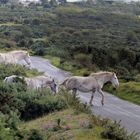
{"points": [[102, 94], [91, 99], [74, 92], [28, 61]]}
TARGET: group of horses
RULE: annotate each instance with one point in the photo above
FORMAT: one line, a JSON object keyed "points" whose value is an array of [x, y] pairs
{"points": [[92, 83]]}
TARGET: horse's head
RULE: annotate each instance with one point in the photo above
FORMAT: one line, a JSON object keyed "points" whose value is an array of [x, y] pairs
{"points": [[114, 80], [27, 58], [53, 86]]}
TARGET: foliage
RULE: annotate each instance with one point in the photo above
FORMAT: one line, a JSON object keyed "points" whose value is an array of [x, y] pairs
{"points": [[8, 101], [83, 35], [40, 103], [74, 102], [77, 31], [39, 48], [72, 126], [35, 135], [115, 131], [29, 104], [16, 70], [127, 91]]}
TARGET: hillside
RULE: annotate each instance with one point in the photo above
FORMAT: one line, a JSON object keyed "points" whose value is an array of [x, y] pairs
{"points": [[81, 37], [105, 36]]}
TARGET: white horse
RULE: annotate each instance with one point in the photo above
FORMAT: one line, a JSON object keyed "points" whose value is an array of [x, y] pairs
{"points": [[37, 82], [13, 57], [93, 83], [11, 79]]}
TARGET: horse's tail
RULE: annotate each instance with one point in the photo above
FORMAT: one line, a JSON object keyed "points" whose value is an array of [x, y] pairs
{"points": [[64, 82]]}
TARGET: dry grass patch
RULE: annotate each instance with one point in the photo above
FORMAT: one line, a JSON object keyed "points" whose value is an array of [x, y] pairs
{"points": [[66, 125]]}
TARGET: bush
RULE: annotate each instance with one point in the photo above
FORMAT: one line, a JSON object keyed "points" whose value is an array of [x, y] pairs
{"points": [[35, 135], [83, 59], [74, 102], [29, 104], [38, 103], [15, 70], [5, 132], [137, 78], [8, 100], [114, 131], [9, 129], [39, 48]]}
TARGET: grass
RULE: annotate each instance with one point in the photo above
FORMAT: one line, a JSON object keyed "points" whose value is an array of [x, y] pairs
{"points": [[67, 66], [73, 126], [129, 91]]}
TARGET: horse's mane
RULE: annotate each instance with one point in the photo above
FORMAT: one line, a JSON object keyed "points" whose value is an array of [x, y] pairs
{"points": [[100, 73]]}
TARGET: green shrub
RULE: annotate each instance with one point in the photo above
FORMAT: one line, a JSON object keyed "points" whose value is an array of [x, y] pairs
{"points": [[137, 78], [38, 103], [74, 102], [9, 127], [115, 131], [16, 70], [28, 103], [83, 59], [5, 132], [35, 135], [8, 100], [39, 48]]}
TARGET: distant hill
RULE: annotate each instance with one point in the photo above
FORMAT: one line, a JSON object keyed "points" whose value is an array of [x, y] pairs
{"points": [[82, 35]]}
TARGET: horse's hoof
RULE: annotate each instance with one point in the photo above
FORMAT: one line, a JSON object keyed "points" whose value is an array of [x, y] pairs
{"points": [[102, 103]]}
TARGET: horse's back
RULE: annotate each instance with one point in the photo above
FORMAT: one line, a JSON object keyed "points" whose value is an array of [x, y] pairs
{"points": [[18, 51], [73, 82], [79, 81], [37, 82], [42, 78]]}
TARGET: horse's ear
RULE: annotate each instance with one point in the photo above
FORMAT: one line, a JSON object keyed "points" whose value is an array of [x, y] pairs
{"points": [[113, 73]]}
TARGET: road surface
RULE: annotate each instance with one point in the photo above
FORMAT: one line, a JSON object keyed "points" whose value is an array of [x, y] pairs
{"points": [[114, 108]]}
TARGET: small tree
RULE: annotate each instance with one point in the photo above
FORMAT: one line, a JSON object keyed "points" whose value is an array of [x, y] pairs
{"points": [[83, 59]]}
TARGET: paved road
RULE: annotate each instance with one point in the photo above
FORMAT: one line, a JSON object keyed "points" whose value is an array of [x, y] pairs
{"points": [[114, 108]]}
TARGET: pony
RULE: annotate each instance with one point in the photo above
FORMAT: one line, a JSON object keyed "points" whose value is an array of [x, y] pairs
{"points": [[37, 82], [93, 83], [14, 57]]}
